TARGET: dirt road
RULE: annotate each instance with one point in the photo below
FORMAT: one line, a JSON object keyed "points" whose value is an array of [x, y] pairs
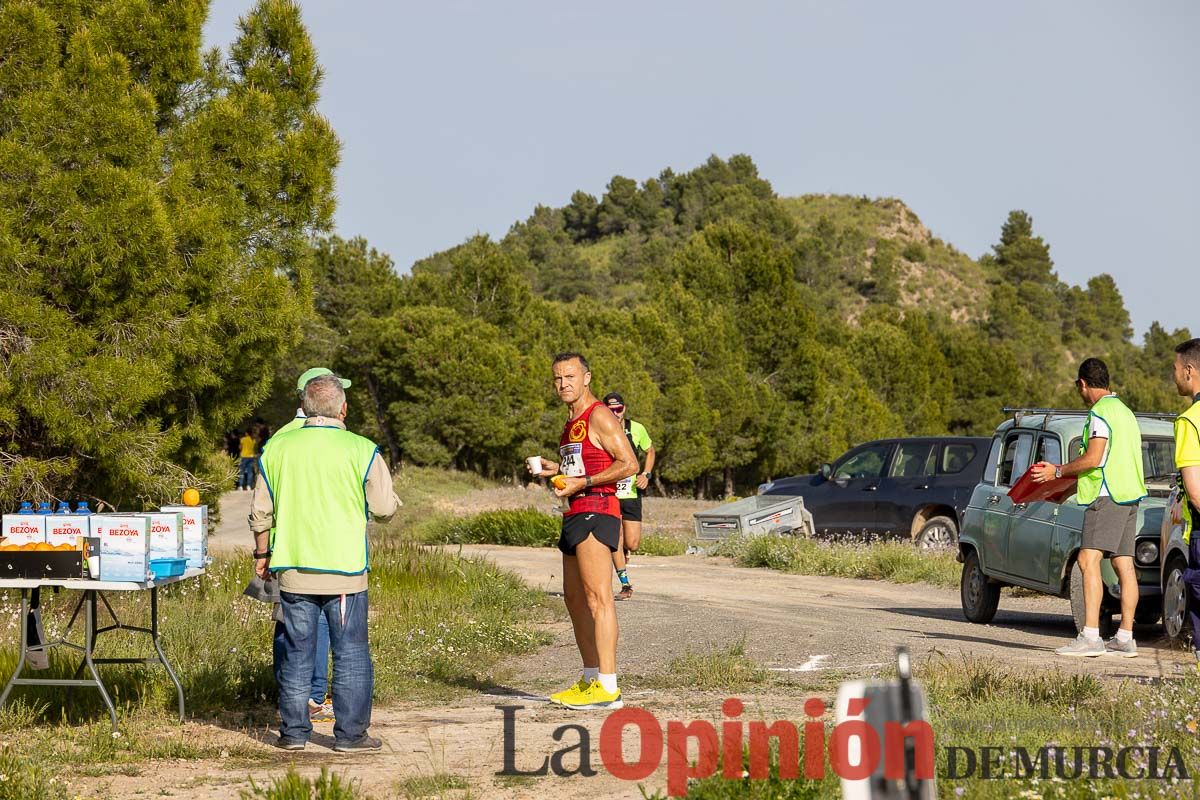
{"points": [[812, 631]]}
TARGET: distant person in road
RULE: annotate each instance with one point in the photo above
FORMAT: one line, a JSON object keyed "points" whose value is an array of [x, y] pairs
{"points": [[629, 491], [320, 704], [1187, 461], [1111, 485], [247, 466], [318, 486], [594, 454]]}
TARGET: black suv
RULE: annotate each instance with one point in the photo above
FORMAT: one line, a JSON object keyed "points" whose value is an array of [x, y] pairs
{"points": [[917, 488]]}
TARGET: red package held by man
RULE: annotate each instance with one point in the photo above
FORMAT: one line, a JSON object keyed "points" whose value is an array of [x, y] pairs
{"points": [[1026, 491]]}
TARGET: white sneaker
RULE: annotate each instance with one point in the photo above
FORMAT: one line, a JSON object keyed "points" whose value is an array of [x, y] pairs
{"points": [[1082, 647], [1115, 647]]}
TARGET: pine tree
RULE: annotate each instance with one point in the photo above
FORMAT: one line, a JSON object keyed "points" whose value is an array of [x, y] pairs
{"points": [[154, 212]]}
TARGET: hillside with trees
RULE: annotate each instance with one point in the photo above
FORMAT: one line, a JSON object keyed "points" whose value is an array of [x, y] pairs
{"points": [[756, 336]]}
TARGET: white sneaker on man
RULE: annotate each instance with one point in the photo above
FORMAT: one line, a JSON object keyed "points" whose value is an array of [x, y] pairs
{"points": [[1082, 647]]}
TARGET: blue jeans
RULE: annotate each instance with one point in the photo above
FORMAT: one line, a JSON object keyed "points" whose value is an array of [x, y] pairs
{"points": [[246, 474], [320, 675], [353, 675]]}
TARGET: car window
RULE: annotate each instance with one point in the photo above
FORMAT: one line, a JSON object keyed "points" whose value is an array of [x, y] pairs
{"points": [[1158, 459], [1015, 460], [955, 458], [866, 463], [1049, 449], [993, 459], [912, 460]]}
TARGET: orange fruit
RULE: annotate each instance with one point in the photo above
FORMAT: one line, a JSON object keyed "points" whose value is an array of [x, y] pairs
{"points": [[559, 481], [43, 546], [191, 497]]}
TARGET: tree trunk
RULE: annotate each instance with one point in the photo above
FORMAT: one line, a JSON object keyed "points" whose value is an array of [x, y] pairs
{"points": [[728, 482], [658, 484], [389, 438]]}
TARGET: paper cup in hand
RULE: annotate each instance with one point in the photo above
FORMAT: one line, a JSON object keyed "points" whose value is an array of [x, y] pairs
{"points": [[535, 464]]}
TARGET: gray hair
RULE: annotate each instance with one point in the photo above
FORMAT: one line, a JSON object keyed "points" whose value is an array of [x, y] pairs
{"points": [[324, 396]]}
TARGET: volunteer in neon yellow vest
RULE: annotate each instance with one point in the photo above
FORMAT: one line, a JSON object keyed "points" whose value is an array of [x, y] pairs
{"points": [[320, 709], [1111, 485], [1187, 460], [318, 484]]}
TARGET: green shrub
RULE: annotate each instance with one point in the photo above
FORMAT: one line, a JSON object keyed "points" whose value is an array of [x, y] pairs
{"points": [[526, 527], [658, 545], [327, 786], [915, 252], [724, 669], [898, 562]]}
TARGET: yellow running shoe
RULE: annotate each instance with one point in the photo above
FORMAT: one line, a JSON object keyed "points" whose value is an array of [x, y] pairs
{"points": [[578, 687], [594, 697]]}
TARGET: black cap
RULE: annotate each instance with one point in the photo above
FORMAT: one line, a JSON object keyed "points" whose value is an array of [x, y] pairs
{"points": [[614, 397]]}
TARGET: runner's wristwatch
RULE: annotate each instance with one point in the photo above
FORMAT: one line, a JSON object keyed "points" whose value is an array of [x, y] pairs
{"points": [[264, 554]]}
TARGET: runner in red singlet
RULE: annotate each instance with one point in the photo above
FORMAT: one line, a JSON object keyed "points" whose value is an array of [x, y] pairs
{"points": [[594, 454]]}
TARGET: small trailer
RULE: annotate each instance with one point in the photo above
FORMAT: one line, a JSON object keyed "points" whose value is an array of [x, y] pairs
{"points": [[772, 513]]}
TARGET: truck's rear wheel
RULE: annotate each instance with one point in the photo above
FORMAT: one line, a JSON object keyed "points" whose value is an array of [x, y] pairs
{"points": [[980, 597]]}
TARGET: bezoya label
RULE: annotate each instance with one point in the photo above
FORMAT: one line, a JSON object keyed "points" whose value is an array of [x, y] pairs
{"points": [[122, 533], [166, 534], [24, 528]]}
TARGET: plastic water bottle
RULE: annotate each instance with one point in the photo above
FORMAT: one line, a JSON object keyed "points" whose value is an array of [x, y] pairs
{"points": [[44, 507], [26, 507], [82, 508], [63, 507]]}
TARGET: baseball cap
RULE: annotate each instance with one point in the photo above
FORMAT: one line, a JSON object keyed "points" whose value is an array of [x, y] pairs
{"points": [[614, 399], [317, 372]]}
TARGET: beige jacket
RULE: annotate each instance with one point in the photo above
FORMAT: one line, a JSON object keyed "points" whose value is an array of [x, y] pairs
{"points": [[382, 502]]}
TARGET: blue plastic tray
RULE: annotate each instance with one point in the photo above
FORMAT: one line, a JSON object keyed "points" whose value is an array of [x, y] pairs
{"points": [[167, 567]]}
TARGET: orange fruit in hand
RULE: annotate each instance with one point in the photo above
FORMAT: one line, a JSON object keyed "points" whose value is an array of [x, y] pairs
{"points": [[559, 481], [191, 497]]}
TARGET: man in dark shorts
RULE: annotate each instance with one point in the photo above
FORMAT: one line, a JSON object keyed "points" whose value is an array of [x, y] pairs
{"points": [[1111, 485], [594, 454], [629, 491]]}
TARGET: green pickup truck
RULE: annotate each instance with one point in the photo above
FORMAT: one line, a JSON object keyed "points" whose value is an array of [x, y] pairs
{"points": [[1034, 545]]}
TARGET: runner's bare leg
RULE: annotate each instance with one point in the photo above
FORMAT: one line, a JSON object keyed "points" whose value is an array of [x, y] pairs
{"points": [[631, 535], [575, 597], [594, 562]]}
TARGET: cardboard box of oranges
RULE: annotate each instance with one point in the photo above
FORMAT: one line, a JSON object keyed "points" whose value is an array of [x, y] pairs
{"points": [[42, 560]]}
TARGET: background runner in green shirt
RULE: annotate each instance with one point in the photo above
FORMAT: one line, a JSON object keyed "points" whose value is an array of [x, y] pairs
{"points": [[629, 491]]}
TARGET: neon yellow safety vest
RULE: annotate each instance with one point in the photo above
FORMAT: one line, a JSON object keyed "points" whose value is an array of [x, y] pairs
{"points": [[1122, 472], [1192, 417], [317, 477]]}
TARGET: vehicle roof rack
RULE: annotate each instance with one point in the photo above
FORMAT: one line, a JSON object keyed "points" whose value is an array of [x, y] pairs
{"points": [[1020, 411]]}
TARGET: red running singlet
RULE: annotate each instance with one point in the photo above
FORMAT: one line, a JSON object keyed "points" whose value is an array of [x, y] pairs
{"points": [[580, 458]]}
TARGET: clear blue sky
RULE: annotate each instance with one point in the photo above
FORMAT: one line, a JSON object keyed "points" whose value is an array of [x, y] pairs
{"points": [[457, 118]]}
